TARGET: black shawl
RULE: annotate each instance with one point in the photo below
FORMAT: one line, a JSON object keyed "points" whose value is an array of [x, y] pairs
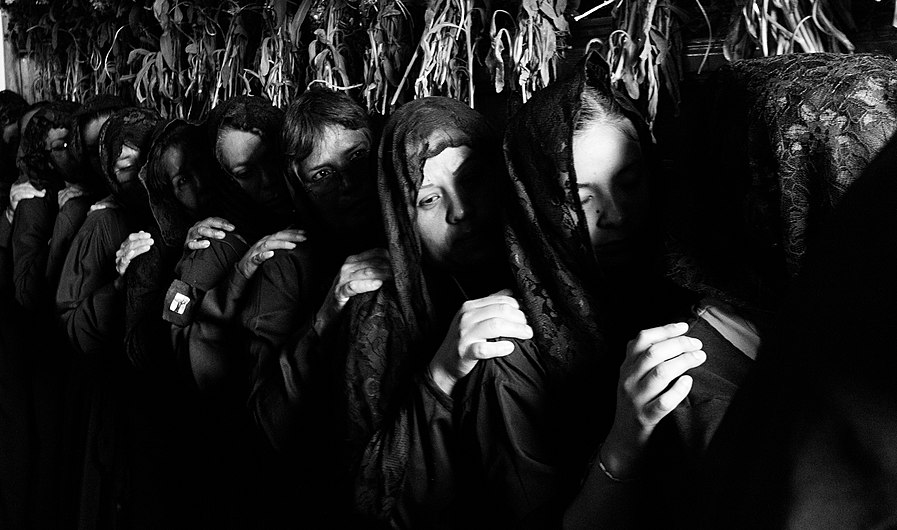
{"points": [[390, 328], [556, 269], [133, 127], [172, 218], [581, 318], [35, 160], [12, 106], [252, 114], [93, 107]]}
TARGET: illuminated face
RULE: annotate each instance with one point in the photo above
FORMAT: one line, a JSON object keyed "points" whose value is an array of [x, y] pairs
{"points": [[455, 210], [338, 177], [243, 155], [184, 177], [612, 183], [127, 165]]}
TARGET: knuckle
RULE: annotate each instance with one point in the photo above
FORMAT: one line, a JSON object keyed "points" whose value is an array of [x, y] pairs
{"points": [[642, 336], [668, 401], [661, 372]]}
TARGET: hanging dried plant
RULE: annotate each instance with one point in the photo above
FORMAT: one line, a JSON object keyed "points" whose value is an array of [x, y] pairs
{"points": [[531, 43], [387, 55], [787, 26], [644, 52], [328, 53], [279, 57], [445, 51]]}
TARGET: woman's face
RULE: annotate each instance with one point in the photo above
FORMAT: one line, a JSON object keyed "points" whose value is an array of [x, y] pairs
{"points": [[455, 210], [338, 177], [612, 185], [184, 177], [243, 155], [127, 165], [57, 146]]}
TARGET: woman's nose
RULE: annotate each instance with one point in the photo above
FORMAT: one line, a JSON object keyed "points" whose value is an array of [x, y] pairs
{"points": [[457, 210], [610, 214]]}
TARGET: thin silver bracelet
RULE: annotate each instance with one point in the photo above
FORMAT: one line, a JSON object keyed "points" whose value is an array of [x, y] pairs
{"points": [[607, 473]]}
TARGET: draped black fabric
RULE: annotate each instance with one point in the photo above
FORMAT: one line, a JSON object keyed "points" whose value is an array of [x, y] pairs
{"points": [[813, 446], [257, 115], [390, 325], [583, 311], [35, 162], [171, 217], [777, 142], [93, 107], [557, 274], [133, 127], [12, 106]]}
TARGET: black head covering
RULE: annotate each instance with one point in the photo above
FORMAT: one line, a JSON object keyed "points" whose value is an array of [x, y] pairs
{"points": [[12, 106], [133, 127], [173, 219], [35, 162], [390, 325], [555, 265], [93, 107], [574, 310], [252, 114]]}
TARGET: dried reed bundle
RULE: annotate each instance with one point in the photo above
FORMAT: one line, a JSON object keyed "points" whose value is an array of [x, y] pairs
{"points": [[446, 52], [776, 27], [387, 55], [530, 43]]}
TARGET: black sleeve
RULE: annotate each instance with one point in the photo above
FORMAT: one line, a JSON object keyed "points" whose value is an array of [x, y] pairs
{"points": [[32, 230], [147, 336], [285, 351], [202, 304], [407, 472], [87, 302], [68, 221]]}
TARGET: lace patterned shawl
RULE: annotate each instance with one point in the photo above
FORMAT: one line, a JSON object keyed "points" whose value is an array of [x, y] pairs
{"points": [[251, 114], [35, 160], [787, 136], [133, 127], [170, 215], [390, 326]]}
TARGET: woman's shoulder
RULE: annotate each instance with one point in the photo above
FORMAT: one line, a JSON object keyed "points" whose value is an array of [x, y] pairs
{"points": [[220, 255], [104, 223], [301, 261]]}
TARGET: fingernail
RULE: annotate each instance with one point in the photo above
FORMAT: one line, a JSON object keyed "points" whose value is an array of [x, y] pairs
{"points": [[699, 355], [695, 343]]}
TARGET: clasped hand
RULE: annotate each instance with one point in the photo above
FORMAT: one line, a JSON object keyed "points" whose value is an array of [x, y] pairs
{"points": [[361, 273], [475, 334], [652, 383]]}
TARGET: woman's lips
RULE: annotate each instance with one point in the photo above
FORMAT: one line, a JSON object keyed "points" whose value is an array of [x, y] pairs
{"points": [[615, 247]]}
